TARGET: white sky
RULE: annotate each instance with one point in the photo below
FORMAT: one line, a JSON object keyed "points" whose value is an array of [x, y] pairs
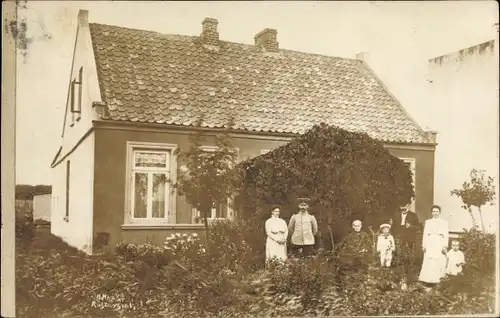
{"points": [[400, 37]]}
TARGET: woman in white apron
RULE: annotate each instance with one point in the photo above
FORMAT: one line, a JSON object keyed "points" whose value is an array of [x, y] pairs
{"points": [[277, 234], [435, 247]]}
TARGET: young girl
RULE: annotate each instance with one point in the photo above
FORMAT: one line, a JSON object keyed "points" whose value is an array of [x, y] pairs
{"points": [[385, 245], [456, 259]]}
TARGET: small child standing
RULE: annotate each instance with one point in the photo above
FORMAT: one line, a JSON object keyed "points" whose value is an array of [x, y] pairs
{"points": [[385, 245], [456, 259]]}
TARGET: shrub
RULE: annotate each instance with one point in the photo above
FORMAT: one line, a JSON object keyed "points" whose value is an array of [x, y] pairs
{"points": [[200, 281], [151, 255], [305, 278], [26, 192], [478, 275], [237, 246], [479, 249], [25, 227], [345, 174], [41, 222], [289, 289], [184, 246]]}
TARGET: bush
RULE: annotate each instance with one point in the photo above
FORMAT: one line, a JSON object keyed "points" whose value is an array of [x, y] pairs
{"points": [[345, 174], [478, 275], [151, 255], [196, 280], [237, 246], [41, 222], [25, 227], [26, 192]]}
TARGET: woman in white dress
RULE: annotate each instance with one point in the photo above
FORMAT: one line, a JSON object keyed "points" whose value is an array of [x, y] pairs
{"points": [[277, 234], [435, 247]]}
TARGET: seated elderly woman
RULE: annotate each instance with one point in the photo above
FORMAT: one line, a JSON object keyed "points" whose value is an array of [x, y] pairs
{"points": [[355, 251]]}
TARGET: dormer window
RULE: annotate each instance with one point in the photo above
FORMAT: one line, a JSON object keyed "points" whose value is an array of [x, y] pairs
{"points": [[76, 96]]}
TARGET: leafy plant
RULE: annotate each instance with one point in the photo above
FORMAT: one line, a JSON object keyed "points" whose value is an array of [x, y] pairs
{"points": [[479, 269], [477, 192], [53, 278], [25, 227], [345, 174], [26, 192], [207, 178]]}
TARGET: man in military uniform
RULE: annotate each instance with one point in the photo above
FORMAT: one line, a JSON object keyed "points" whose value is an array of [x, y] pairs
{"points": [[303, 227]]}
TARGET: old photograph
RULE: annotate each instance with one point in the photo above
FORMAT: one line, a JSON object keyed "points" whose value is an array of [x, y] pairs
{"points": [[250, 159]]}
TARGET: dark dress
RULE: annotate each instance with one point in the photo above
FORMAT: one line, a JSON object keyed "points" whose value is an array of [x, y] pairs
{"points": [[406, 235], [354, 256]]}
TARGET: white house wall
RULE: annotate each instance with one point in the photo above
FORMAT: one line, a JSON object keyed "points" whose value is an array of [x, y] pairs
{"points": [[41, 207], [77, 229], [464, 97], [78, 147], [83, 57]]}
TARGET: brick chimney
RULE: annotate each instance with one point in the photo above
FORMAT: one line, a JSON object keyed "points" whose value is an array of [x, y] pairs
{"points": [[431, 135], [101, 109], [268, 40], [209, 35], [363, 56]]}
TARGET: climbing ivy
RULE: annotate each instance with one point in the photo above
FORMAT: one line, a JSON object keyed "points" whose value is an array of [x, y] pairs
{"points": [[346, 175]]}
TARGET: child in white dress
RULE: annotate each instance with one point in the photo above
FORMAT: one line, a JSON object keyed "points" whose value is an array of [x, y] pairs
{"points": [[385, 245], [456, 259]]}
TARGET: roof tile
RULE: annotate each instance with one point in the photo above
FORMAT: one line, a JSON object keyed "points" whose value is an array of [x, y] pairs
{"points": [[171, 79]]}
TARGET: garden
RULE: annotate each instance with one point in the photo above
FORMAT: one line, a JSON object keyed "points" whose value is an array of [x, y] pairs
{"points": [[226, 277], [223, 274]]}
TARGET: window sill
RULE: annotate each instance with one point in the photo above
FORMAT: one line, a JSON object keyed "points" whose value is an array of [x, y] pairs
{"points": [[139, 226], [66, 219]]}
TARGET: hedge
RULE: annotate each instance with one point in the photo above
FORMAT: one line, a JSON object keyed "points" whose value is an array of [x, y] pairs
{"points": [[346, 175], [26, 192]]}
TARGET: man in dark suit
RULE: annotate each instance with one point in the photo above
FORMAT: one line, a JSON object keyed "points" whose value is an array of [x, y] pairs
{"points": [[405, 226]]}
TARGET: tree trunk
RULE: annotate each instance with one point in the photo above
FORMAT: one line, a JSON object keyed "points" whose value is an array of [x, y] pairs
{"points": [[374, 242], [205, 218], [330, 232], [474, 223], [481, 218]]}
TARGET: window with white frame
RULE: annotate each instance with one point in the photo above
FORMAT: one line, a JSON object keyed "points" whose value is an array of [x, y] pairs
{"points": [[150, 173], [410, 163], [218, 211]]}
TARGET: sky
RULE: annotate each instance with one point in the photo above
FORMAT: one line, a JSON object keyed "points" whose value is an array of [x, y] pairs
{"points": [[400, 37]]}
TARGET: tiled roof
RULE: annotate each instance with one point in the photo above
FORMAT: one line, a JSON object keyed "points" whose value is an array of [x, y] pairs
{"points": [[150, 77]]}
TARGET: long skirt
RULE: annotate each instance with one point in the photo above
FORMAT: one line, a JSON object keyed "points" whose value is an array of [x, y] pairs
{"points": [[434, 262], [274, 250]]}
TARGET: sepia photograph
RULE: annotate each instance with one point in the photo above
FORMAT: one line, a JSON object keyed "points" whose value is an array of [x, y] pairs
{"points": [[250, 158]]}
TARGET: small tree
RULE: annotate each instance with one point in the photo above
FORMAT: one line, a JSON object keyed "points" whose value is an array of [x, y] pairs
{"points": [[207, 178], [477, 192]]}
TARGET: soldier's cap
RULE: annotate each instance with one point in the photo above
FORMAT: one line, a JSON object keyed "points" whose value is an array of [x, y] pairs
{"points": [[385, 225], [303, 200]]}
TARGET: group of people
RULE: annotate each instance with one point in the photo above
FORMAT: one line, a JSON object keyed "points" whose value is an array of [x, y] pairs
{"points": [[356, 248]]}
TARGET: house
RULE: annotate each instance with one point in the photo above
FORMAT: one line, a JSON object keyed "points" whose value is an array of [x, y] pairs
{"points": [[468, 80], [135, 95], [42, 204]]}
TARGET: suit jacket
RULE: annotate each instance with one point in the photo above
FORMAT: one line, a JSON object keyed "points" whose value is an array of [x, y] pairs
{"points": [[401, 230]]}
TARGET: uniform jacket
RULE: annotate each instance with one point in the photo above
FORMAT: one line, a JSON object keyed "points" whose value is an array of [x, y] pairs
{"points": [[303, 227]]}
